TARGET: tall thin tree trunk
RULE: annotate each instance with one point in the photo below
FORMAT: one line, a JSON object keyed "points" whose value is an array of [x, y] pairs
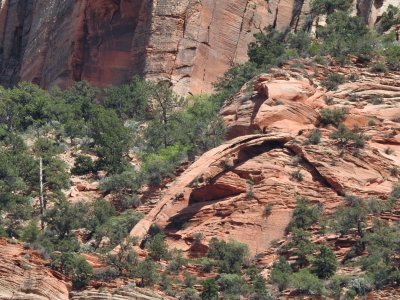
{"points": [[41, 191]]}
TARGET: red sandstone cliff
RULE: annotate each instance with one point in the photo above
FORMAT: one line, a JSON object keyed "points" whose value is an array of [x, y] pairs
{"points": [[189, 42]]}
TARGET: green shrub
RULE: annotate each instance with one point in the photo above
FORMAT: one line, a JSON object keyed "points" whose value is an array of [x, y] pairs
{"points": [[333, 116], [329, 101], [376, 101], [206, 265], [125, 260], [360, 285], [346, 35], [333, 80], [325, 264], [83, 165], [268, 209], [162, 164], [388, 19], [177, 261], [189, 280], [371, 122], [268, 47], [157, 247], [395, 192], [189, 294], [344, 135], [105, 274], [232, 285], [392, 54], [314, 138], [233, 79], [117, 227], [30, 232], [281, 273], [147, 272], [353, 98], [73, 265], [101, 212], [210, 290], [230, 256], [306, 282], [297, 175], [250, 192], [378, 68], [304, 214], [301, 247], [261, 291]]}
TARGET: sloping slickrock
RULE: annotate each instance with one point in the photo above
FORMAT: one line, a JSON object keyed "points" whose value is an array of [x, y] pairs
{"points": [[120, 294], [23, 276]]}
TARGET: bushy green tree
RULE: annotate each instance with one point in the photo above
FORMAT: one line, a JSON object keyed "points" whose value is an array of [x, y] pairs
{"points": [[129, 100], [230, 256], [73, 265], [346, 35], [344, 135], [30, 232], [268, 47], [117, 228], [189, 294], [383, 245], [123, 188], [280, 273], [111, 139], [99, 214], [147, 272], [232, 286], [322, 7], [83, 165], [325, 264], [389, 18], [235, 77], [210, 290], [125, 260], [392, 54], [304, 214], [65, 217], [333, 116], [55, 175], [157, 247], [162, 164], [164, 104], [306, 282], [24, 106], [301, 247]]}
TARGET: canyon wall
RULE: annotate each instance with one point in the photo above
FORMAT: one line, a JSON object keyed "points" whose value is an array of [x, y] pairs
{"points": [[188, 42]]}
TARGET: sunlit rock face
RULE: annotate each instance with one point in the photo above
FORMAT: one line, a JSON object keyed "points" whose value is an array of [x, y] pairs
{"points": [[188, 42]]}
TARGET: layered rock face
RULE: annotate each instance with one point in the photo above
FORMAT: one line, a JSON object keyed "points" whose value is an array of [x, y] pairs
{"points": [[188, 42], [24, 276], [246, 188]]}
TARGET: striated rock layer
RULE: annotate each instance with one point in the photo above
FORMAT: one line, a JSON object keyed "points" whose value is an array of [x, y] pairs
{"points": [[23, 276], [189, 42]]}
